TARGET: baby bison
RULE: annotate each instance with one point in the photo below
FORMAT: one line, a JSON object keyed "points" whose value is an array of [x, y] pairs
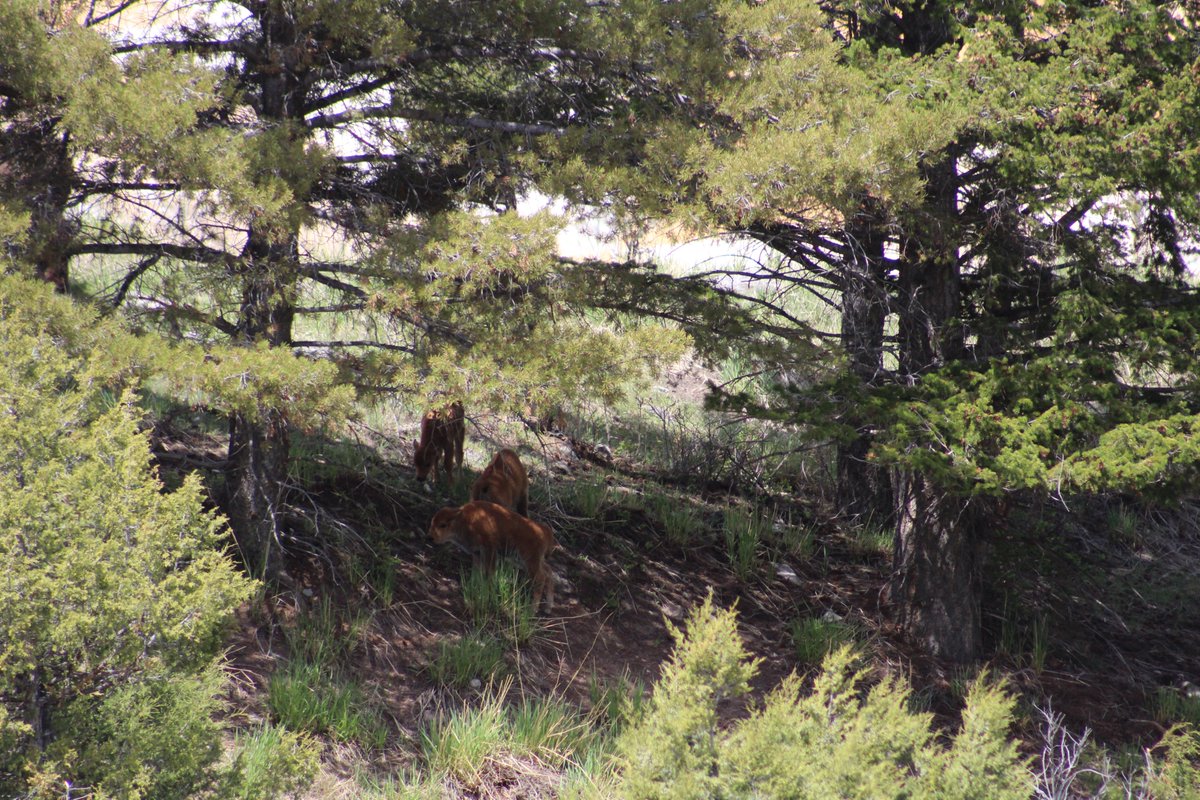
{"points": [[442, 433], [504, 481], [481, 528]]}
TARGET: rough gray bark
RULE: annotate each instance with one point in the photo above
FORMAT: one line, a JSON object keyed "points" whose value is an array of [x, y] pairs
{"points": [[267, 272], [936, 584]]}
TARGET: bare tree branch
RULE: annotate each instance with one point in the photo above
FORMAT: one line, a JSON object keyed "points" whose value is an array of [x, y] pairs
{"points": [[183, 252], [93, 19], [355, 343], [382, 64], [134, 274], [172, 310], [203, 47], [399, 112]]}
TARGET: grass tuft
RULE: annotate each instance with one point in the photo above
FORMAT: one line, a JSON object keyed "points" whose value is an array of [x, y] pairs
{"points": [[1171, 706], [871, 540], [679, 521], [500, 602], [461, 743], [326, 636], [545, 731], [312, 698], [272, 761], [617, 703], [816, 637], [745, 532], [589, 497], [473, 656]]}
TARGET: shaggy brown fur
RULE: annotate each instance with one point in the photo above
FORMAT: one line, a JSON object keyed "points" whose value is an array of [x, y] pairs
{"points": [[442, 434], [504, 481], [481, 528]]}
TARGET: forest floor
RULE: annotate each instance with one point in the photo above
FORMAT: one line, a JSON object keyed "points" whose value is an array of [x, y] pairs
{"points": [[1089, 611]]}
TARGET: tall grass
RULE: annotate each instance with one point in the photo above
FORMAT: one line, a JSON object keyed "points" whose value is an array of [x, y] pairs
{"points": [[745, 532], [461, 743], [272, 761], [871, 540], [1171, 706], [407, 785], [326, 635], [816, 637], [680, 522], [312, 698], [500, 602], [471, 657], [589, 497], [546, 732], [617, 702]]}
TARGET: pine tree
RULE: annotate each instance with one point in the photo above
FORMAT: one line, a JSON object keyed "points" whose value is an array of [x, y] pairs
{"points": [[116, 592], [305, 162], [1011, 185]]}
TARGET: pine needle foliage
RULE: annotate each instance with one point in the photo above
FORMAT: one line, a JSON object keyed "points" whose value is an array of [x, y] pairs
{"points": [[115, 593], [842, 738]]}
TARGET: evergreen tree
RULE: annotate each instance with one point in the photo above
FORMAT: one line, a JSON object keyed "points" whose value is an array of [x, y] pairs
{"points": [[1012, 186], [342, 179], [116, 593]]}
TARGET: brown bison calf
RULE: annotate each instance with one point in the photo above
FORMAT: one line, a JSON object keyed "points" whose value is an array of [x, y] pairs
{"points": [[442, 434], [481, 528], [504, 481]]}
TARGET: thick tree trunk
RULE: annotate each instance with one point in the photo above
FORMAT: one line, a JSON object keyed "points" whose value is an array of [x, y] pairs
{"points": [[259, 446], [257, 473], [864, 489], [936, 582]]}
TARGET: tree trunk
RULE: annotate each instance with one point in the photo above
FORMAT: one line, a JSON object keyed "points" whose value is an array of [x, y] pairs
{"points": [[257, 473], [259, 446], [864, 489], [936, 583]]}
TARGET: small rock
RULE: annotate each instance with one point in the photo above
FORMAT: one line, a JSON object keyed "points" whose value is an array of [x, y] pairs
{"points": [[831, 616], [671, 610], [476, 683], [307, 591], [786, 574]]}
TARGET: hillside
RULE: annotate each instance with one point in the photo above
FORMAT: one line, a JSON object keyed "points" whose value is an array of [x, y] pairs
{"points": [[369, 597]]}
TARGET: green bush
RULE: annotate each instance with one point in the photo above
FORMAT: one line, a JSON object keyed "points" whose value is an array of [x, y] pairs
{"points": [[153, 738], [840, 740], [1176, 776], [115, 593]]}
